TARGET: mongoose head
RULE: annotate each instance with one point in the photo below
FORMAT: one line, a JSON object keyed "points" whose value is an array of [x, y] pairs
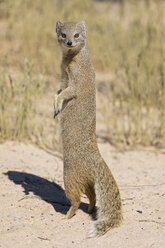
{"points": [[71, 35]]}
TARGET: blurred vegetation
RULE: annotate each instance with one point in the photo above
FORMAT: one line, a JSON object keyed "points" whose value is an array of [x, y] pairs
{"points": [[125, 39], [17, 106]]}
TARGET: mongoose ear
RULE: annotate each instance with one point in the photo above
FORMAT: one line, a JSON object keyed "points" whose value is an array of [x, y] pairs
{"points": [[83, 26], [58, 27]]}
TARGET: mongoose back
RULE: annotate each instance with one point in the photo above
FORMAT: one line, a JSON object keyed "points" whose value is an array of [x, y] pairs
{"points": [[85, 171]]}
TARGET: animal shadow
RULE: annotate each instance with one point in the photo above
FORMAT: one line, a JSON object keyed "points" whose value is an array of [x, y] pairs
{"points": [[48, 191]]}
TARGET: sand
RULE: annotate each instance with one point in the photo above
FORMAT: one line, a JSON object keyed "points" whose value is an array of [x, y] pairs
{"points": [[33, 203]]}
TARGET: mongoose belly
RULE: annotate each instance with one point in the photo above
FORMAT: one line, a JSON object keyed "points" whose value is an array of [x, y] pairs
{"points": [[77, 126], [78, 139]]}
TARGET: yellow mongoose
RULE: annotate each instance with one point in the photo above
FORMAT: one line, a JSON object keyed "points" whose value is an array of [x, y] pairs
{"points": [[85, 171]]}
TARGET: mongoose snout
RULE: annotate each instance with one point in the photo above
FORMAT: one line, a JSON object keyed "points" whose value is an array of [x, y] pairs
{"points": [[69, 43]]}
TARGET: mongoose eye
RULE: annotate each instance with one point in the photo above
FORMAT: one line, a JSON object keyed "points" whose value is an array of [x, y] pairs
{"points": [[63, 35], [76, 35]]}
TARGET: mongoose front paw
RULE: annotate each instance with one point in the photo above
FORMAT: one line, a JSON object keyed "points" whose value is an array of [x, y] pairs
{"points": [[57, 105], [56, 113]]}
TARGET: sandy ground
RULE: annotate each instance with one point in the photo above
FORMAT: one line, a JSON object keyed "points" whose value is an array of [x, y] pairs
{"points": [[33, 203]]}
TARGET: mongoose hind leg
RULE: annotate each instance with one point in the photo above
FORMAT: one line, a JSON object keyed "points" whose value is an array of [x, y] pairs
{"points": [[90, 192], [74, 198]]}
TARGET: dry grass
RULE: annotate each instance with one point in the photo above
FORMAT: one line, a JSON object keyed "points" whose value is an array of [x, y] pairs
{"points": [[18, 103], [126, 40]]}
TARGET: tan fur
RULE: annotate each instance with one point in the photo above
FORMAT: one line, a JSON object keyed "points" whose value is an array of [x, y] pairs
{"points": [[85, 171]]}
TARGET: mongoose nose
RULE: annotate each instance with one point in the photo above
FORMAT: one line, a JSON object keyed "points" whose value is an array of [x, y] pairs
{"points": [[69, 43]]}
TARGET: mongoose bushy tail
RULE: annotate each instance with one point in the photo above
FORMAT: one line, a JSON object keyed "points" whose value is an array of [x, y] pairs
{"points": [[85, 171], [108, 196]]}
